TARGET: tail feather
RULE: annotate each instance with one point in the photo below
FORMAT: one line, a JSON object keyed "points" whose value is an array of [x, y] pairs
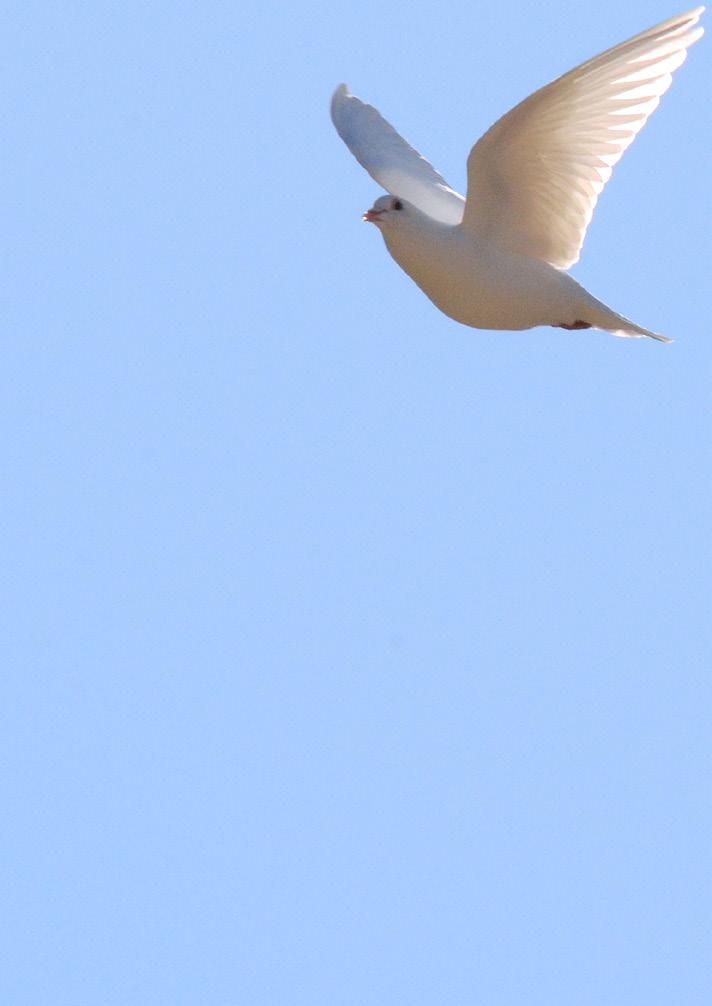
{"points": [[630, 330], [603, 317]]}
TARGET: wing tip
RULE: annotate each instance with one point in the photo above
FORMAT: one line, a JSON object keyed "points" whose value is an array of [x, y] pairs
{"points": [[685, 25], [338, 103], [340, 94]]}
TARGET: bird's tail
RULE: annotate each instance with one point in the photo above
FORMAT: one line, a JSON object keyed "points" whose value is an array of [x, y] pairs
{"points": [[629, 330], [603, 317]]}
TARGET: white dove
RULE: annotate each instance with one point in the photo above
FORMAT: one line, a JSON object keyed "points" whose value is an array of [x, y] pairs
{"points": [[496, 259]]}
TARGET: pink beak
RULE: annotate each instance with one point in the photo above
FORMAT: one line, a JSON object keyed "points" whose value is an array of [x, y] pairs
{"points": [[372, 216]]}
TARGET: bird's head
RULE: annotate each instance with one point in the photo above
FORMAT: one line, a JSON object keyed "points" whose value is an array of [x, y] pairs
{"points": [[388, 211]]}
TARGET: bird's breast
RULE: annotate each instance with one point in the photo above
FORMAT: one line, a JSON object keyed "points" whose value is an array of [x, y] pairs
{"points": [[476, 283]]}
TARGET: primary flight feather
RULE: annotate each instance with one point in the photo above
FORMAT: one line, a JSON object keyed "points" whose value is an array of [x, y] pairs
{"points": [[497, 259]]}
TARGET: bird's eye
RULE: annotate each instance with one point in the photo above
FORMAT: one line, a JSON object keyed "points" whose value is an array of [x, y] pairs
{"points": [[396, 204]]}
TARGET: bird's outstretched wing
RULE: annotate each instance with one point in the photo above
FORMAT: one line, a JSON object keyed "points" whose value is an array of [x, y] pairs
{"points": [[535, 176], [391, 161]]}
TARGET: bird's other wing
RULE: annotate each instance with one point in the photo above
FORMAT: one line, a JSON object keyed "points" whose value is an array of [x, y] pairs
{"points": [[391, 161], [534, 178]]}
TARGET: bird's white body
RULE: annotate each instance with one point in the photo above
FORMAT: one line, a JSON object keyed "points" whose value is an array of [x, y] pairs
{"points": [[479, 284], [497, 259]]}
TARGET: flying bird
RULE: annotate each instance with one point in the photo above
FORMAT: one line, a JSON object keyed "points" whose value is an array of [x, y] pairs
{"points": [[498, 258]]}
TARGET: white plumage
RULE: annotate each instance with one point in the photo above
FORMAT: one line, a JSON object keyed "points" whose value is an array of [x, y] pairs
{"points": [[495, 260]]}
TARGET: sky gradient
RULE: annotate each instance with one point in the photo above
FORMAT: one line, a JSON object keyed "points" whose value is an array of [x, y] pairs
{"points": [[351, 656]]}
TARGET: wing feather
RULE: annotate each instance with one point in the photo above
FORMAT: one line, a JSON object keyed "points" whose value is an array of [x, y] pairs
{"points": [[534, 178], [391, 161]]}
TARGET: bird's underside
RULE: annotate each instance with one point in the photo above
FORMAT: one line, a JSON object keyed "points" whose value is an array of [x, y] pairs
{"points": [[483, 286]]}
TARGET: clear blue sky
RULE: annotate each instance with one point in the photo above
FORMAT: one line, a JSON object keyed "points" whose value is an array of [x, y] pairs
{"points": [[350, 656]]}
